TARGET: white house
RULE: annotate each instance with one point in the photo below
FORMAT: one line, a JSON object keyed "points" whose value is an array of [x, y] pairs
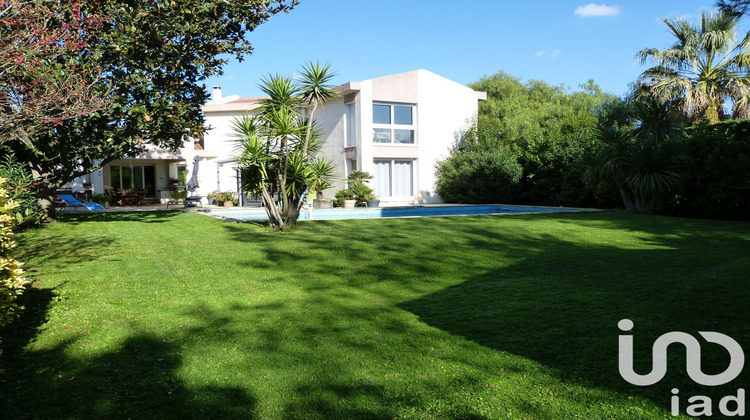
{"points": [[394, 127]]}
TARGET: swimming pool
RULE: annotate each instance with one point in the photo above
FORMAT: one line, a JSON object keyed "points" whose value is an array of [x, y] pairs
{"points": [[259, 215]]}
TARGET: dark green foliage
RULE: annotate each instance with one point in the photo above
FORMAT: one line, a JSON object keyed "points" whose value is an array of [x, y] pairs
{"points": [[478, 176], [532, 144], [643, 159], [718, 184], [22, 190]]}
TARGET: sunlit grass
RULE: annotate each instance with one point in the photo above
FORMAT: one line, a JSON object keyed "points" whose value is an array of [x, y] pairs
{"points": [[177, 315]]}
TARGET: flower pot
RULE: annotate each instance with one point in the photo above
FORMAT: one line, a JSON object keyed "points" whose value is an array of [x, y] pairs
{"points": [[373, 203], [228, 204], [349, 204], [322, 204]]}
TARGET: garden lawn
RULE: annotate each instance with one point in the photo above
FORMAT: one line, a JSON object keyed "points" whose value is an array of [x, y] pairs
{"points": [[178, 315]]}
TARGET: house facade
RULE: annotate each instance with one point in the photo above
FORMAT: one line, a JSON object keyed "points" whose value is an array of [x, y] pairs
{"points": [[394, 127]]}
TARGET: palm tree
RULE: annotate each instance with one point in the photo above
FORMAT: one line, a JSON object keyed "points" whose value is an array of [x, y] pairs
{"points": [[277, 146], [706, 69], [642, 161], [315, 91]]}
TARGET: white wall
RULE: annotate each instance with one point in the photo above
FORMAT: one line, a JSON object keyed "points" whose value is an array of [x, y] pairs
{"points": [[333, 122], [445, 108]]}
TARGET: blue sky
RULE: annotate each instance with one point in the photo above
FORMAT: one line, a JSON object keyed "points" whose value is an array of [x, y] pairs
{"points": [[560, 42]]}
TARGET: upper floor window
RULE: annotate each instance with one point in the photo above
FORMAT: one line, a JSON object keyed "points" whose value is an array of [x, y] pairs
{"points": [[393, 124]]}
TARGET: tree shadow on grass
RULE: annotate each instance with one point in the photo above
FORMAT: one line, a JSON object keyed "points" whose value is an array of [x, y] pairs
{"points": [[159, 216], [560, 304], [61, 252], [138, 380], [557, 295]]}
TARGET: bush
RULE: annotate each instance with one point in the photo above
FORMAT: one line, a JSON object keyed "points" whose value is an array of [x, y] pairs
{"points": [[478, 176], [22, 190], [12, 282], [342, 195], [357, 190], [718, 184]]}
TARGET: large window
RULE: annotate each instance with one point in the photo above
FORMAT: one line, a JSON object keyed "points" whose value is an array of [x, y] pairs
{"points": [[393, 124], [138, 177], [394, 178]]}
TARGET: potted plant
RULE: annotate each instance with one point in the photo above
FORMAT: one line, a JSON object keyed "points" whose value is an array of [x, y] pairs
{"points": [[213, 197], [322, 172], [373, 201], [179, 195], [101, 199], [362, 193], [345, 198], [228, 199]]}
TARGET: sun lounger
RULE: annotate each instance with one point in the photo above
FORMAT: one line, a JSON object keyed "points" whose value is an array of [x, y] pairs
{"points": [[193, 201], [72, 202]]}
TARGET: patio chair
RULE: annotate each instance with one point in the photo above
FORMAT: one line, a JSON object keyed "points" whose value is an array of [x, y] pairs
{"points": [[72, 202], [193, 201]]}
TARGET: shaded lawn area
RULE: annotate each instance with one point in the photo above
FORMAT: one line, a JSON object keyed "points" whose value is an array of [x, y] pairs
{"points": [[175, 315]]}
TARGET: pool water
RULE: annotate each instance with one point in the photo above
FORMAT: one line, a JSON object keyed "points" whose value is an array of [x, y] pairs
{"points": [[259, 214]]}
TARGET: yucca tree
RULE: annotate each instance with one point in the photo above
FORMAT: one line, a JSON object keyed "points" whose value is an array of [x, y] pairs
{"points": [[707, 69], [642, 161], [315, 90], [278, 145]]}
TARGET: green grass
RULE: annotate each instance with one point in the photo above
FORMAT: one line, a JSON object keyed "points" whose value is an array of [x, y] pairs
{"points": [[174, 315]]}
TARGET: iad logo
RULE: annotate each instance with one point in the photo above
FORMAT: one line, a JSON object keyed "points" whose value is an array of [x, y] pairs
{"points": [[702, 404]]}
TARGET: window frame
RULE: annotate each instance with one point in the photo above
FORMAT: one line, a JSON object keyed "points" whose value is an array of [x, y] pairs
{"points": [[393, 126]]}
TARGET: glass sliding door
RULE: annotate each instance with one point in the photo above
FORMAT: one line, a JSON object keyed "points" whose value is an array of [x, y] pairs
{"points": [[402, 178], [133, 177], [394, 178], [382, 178]]}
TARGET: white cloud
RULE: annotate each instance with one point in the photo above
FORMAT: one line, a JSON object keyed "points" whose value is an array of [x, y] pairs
{"points": [[549, 54], [594, 10]]}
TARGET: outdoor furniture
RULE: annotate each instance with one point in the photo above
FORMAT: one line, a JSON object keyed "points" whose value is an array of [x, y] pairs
{"points": [[73, 202], [192, 201], [133, 197], [60, 204], [128, 197]]}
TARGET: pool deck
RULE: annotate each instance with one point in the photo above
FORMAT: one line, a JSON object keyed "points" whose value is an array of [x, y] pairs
{"points": [[225, 213]]}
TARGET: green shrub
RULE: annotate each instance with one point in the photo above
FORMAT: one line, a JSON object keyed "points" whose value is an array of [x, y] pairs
{"points": [[12, 282], [342, 195], [478, 176], [179, 194], [22, 190], [718, 184]]}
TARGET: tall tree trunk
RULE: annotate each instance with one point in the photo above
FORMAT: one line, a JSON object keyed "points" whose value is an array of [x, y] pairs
{"points": [[46, 191], [645, 204], [308, 132], [627, 199]]}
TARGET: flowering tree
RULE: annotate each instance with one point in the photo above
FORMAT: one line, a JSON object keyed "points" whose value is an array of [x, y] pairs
{"points": [[40, 87], [137, 67]]}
